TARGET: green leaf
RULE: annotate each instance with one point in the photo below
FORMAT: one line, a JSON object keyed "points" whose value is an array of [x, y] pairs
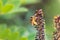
{"points": [[1, 4], [1, 39], [2, 30], [7, 8], [14, 36], [24, 2], [16, 3], [4, 1], [21, 9], [8, 16], [23, 38]]}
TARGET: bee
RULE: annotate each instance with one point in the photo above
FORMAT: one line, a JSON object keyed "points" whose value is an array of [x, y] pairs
{"points": [[33, 20]]}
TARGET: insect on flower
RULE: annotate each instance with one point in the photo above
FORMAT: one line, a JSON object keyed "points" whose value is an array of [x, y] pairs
{"points": [[33, 20], [38, 20]]}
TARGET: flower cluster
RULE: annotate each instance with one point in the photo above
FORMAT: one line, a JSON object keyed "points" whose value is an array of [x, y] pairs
{"points": [[57, 22], [57, 26], [37, 19]]}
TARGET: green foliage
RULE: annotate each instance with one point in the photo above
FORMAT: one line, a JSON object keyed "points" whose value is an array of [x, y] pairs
{"points": [[9, 7], [14, 33], [12, 25], [15, 16]]}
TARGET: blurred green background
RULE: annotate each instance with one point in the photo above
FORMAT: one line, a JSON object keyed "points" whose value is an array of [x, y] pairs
{"points": [[15, 18]]}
